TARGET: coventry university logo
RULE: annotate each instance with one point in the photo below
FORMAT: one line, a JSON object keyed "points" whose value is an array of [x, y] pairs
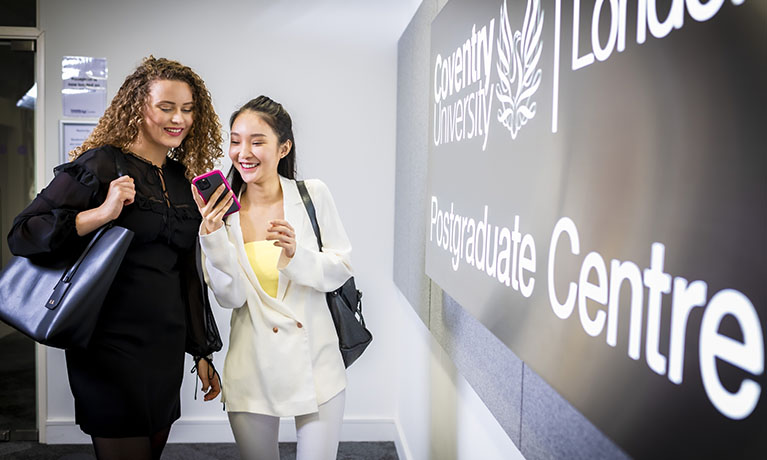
{"points": [[520, 77]]}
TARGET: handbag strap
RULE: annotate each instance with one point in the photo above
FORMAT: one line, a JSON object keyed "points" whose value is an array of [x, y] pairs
{"points": [[120, 164], [73, 269], [120, 169], [70, 273], [307, 199]]}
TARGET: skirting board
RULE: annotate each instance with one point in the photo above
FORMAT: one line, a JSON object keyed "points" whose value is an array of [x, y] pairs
{"points": [[206, 430]]}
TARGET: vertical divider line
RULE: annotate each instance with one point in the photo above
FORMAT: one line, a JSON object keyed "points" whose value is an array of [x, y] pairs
{"points": [[521, 403], [428, 312], [555, 96]]}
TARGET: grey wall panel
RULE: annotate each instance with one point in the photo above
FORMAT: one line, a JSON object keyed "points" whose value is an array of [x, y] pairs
{"points": [[554, 429], [536, 418], [412, 157], [491, 368]]}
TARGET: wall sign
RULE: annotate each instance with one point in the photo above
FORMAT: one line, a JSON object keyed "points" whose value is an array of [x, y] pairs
{"points": [[598, 200], [83, 86], [72, 135]]}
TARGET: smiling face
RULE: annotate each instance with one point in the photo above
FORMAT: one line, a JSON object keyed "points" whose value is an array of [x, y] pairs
{"points": [[168, 115], [254, 148]]}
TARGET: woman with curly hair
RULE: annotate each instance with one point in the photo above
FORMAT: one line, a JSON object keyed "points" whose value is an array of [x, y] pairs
{"points": [[162, 129]]}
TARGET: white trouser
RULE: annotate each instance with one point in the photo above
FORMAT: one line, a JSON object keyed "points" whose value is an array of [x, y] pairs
{"points": [[317, 434]]}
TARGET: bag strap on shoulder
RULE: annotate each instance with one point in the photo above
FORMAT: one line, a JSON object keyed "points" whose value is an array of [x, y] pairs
{"points": [[307, 199], [120, 164]]}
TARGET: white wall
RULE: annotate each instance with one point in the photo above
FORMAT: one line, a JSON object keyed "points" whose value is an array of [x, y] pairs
{"points": [[440, 416]]}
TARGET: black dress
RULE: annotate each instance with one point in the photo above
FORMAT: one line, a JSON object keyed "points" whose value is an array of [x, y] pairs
{"points": [[127, 382]]}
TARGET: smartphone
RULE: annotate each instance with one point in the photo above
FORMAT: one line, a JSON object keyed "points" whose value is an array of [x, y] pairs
{"points": [[209, 182]]}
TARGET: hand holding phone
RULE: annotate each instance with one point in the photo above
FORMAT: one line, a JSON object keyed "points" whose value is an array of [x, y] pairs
{"points": [[214, 198], [208, 183]]}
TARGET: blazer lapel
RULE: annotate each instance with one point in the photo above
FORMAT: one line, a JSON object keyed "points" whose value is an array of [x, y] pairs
{"points": [[239, 243], [295, 214]]}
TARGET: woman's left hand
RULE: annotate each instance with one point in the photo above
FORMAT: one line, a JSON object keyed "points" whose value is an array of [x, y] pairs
{"points": [[209, 378], [283, 235]]}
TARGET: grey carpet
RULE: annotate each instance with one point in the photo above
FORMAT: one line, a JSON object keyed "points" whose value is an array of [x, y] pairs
{"points": [[346, 451]]}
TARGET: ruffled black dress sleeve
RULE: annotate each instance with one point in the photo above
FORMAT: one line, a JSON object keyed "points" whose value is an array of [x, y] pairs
{"points": [[48, 223]]}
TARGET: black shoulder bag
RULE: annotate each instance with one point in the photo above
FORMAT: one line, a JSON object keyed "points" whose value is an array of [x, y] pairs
{"points": [[57, 302], [345, 303]]}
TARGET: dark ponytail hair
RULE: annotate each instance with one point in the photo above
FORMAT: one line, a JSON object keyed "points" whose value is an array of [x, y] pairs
{"points": [[279, 120]]}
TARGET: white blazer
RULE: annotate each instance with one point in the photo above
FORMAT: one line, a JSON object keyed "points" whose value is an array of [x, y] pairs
{"points": [[283, 356]]}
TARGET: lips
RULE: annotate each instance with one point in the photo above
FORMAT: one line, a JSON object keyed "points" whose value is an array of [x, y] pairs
{"points": [[174, 131], [247, 166]]}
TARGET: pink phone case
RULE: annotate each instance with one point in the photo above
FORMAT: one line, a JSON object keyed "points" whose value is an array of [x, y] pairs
{"points": [[208, 183]]}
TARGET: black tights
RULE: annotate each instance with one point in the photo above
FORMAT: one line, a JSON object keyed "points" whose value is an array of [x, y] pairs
{"points": [[139, 448]]}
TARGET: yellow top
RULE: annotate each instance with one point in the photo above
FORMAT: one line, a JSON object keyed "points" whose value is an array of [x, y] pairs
{"points": [[263, 256]]}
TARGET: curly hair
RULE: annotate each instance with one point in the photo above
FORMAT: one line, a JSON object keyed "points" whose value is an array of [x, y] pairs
{"points": [[120, 124]]}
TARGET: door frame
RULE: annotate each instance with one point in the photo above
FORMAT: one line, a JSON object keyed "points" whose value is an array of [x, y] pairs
{"points": [[34, 33]]}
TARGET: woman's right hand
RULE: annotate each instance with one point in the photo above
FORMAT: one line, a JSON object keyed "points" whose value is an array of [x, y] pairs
{"points": [[122, 192], [212, 213]]}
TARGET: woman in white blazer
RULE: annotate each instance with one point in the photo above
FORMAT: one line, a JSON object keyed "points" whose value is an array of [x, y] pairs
{"points": [[263, 262]]}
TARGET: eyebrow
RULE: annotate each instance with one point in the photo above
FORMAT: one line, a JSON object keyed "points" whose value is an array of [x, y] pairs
{"points": [[250, 135], [173, 103]]}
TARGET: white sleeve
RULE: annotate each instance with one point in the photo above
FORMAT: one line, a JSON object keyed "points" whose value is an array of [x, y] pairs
{"points": [[221, 270]]}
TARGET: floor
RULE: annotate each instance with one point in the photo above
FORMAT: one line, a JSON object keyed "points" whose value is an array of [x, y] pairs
{"points": [[17, 412], [346, 451]]}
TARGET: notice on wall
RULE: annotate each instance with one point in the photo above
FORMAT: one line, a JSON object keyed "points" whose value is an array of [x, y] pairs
{"points": [[597, 199], [73, 134], [83, 86]]}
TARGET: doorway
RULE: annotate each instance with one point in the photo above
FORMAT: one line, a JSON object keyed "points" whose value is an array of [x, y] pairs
{"points": [[18, 97]]}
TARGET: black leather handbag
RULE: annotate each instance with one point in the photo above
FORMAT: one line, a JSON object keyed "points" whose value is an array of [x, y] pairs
{"points": [[57, 302], [345, 303]]}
